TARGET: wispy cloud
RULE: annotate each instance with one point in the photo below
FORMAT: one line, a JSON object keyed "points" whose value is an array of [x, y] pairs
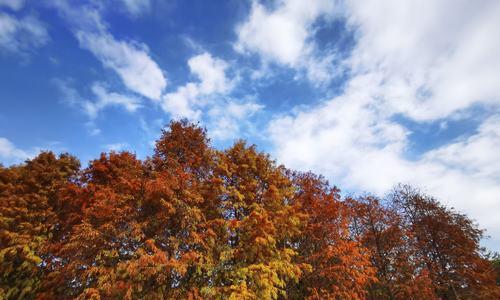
{"points": [[116, 147], [9, 153], [136, 7], [103, 98], [21, 35], [128, 58], [209, 99], [12, 4], [227, 119]]}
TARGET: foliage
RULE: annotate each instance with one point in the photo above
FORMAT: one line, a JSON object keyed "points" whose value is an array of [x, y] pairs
{"points": [[28, 196], [339, 266], [194, 222], [399, 272]]}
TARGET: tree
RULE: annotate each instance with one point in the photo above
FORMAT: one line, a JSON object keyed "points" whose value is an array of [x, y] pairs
{"points": [[182, 204], [140, 234], [194, 222], [399, 274], [256, 257], [338, 266], [28, 195], [92, 255], [447, 244]]}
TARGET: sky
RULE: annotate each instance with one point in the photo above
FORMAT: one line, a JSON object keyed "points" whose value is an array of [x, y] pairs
{"points": [[367, 93]]}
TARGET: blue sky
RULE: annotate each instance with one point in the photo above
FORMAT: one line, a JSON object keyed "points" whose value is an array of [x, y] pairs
{"points": [[368, 93]]}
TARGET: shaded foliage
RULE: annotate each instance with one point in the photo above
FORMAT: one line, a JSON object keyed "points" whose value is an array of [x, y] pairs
{"points": [[193, 222]]}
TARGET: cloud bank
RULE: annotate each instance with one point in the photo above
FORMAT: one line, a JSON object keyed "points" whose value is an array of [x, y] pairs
{"points": [[426, 61]]}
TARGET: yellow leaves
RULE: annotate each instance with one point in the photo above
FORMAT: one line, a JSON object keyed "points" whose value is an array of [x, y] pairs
{"points": [[197, 223], [267, 280], [31, 256], [107, 256], [239, 196], [240, 291], [261, 240], [169, 208]]}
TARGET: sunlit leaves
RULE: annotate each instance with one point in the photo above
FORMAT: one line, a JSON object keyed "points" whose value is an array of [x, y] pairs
{"points": [[194, 222]]}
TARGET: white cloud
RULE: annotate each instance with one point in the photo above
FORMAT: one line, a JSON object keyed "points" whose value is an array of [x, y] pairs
{"points": [[477, 155], [434, 58], [9, 153], [136, 7], [116, 147], [207, 99], [284, 35], [188, 99], [280, 34], [129, 59], [103, 99], [182, 102], [330, 137], [20, 35], [227, 119], [92, 128], [69, 94], [12, 154], [358, 148], [211, 73], [12, 4], [427, 61]]}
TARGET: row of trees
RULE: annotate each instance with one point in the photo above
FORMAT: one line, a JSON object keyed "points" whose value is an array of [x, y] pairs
{"points": [[193, 222]]}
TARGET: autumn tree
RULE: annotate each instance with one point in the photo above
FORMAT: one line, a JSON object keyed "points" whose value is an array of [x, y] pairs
{"points": [[195, 222], [256, 258], [182, 203], [28, 196], [94, 255], [399, 274], [141, 231], [338, 267], [447, 243]]}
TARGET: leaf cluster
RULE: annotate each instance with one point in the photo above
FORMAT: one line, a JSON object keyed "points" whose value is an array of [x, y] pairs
{"points": [[194, 222]]}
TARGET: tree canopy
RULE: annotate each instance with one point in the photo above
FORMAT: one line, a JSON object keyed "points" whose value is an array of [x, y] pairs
{"points": [[194, 222]]}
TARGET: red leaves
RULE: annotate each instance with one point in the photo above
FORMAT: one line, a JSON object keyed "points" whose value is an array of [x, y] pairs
{"points": [[197, 223], [340, 266], [421, 249]]}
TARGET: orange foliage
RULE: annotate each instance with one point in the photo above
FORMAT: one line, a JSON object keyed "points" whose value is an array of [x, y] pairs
{"points": [[339, 265], [194, 222]]}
